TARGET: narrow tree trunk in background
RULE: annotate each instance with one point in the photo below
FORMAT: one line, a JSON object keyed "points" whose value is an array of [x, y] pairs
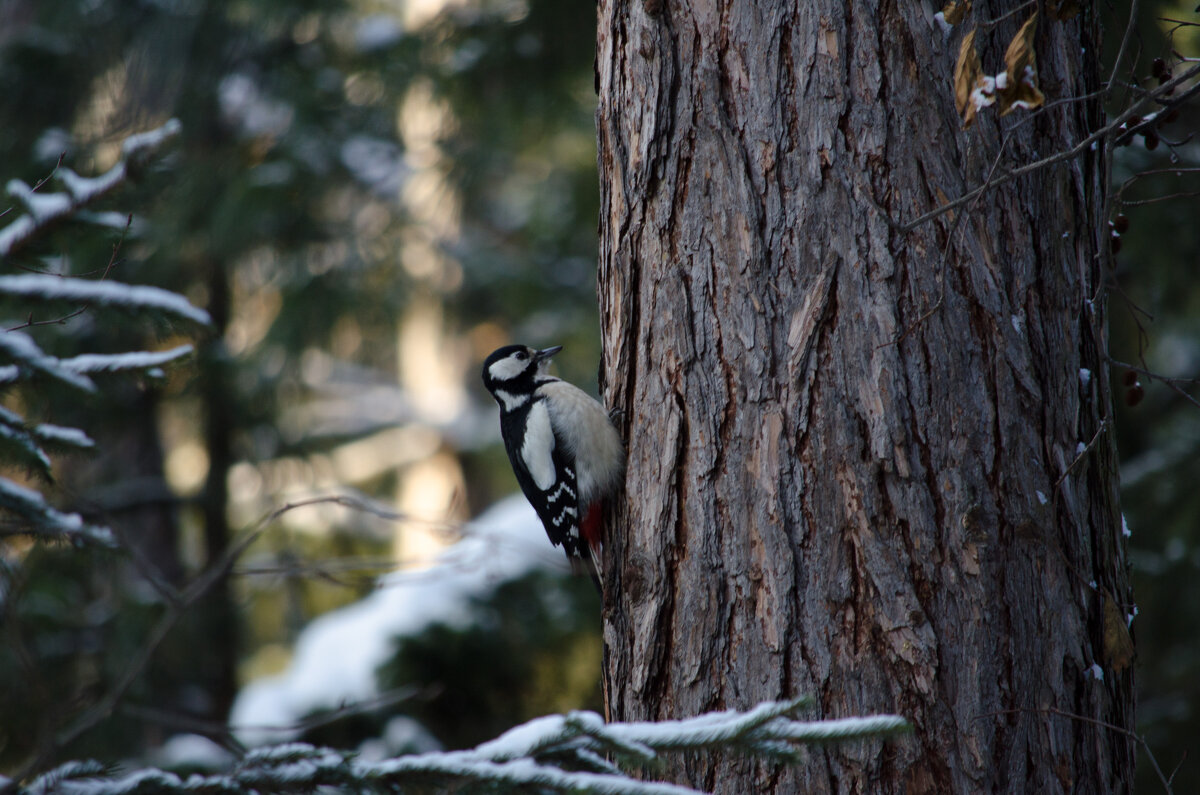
{"points": [[851, 448], [218, 621]]}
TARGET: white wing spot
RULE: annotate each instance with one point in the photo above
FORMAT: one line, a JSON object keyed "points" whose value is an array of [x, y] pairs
{"points": [[567, 515], [564, 486]]}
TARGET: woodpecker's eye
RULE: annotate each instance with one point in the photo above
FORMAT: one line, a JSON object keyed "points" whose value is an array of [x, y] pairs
{"points": [[520, 356]]}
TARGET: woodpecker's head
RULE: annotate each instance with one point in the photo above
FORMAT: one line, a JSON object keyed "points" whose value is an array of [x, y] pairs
{"points": [[512, 369]]}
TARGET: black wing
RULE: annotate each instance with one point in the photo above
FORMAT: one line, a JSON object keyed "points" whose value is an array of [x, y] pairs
{"points": [[557, 506]]}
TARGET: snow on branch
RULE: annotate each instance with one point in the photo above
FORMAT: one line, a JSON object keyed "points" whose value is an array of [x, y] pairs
{"points": [[62, 436], [42, 520], [766, 730], [49, 288], [25, 443], [557, 753], [22, 441], [42, 210], [24, 363], [124, 362], [28, 358]]}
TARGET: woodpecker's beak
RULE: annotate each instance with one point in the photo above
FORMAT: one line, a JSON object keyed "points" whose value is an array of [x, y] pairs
{"points": [[546, 353]]}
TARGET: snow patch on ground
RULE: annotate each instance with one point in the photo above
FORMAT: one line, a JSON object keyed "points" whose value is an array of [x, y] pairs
{"points": [[336, 656]]}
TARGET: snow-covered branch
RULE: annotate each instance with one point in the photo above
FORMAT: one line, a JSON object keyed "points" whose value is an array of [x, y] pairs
{"points": [[128, 297], [557, 753], [42, 210], [767, 730], [23, 362], [41, 519], [124, 362]]}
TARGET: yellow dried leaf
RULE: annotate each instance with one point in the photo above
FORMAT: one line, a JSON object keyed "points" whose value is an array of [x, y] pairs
{"points": [[1020, 49], [955, 11], [1020, 62], [1118, 643], [967, 74]]}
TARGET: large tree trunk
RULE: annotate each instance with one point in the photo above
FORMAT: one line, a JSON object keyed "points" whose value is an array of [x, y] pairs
{"points": [[853, 450]]}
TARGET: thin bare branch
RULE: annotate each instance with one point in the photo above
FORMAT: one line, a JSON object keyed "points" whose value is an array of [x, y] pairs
{"points": [[62, 321], [991, 23], [1166, 197], [1125, 38], [61, 156], [1139, 739], [178, 602], [1107, 131], [174, 611], [1082, 453], [1171, 382], [225, 734]]}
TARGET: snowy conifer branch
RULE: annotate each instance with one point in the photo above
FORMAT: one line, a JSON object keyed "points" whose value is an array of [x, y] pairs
{"points": [[44, 210], [48, 288], [557, 753], [124, 362], [38, 518], [23, 362], [30, 361], [841, 729], [766, 730]]}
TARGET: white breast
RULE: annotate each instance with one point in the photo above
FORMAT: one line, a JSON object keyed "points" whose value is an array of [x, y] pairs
{"points": [[538, 447], [583, 425]]}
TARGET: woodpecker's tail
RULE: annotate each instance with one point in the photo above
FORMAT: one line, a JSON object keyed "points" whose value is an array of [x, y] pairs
{"points": [[586, 563], [590, 554]]}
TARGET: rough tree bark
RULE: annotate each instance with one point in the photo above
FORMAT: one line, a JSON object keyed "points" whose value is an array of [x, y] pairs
{"points": [[855, 466]]}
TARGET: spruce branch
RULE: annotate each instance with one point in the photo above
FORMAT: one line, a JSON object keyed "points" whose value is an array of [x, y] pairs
{"points": [[557, 753], [43, 211]]}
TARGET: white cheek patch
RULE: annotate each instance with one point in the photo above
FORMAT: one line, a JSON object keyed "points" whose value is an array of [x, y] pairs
{"points": [[537, 450], [506, 369]]}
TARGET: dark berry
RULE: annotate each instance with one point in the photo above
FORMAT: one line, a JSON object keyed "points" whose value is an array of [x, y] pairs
{"points": [[1120, 224], [1158, 68], [1130, 378], [1134, 395], [1151, 140]]}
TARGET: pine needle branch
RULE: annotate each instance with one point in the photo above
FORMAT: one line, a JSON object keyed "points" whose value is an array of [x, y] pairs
{"points": [[43, 211], [557, 753]]}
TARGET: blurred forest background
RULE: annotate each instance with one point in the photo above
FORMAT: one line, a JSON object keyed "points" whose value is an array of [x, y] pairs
{"points": [[368, 197]]}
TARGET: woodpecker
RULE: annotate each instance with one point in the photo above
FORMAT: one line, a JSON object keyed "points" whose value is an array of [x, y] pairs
{"points": [[564, 450]]}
